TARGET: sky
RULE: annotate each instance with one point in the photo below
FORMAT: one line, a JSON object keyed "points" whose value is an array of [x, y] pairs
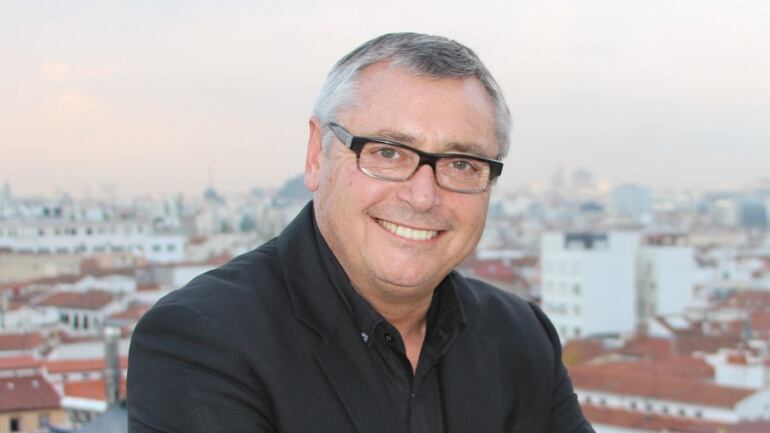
{"points": [[143, 97]]}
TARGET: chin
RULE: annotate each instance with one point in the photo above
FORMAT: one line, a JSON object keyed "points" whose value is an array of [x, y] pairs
{"points": [[405, 280]]}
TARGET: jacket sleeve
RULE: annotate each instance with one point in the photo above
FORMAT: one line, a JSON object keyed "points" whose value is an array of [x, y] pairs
{"points": [[565, 413], [186, 375]]}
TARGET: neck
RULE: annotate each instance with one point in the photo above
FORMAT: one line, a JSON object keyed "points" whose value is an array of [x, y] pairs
{"points": [[408, 316]]}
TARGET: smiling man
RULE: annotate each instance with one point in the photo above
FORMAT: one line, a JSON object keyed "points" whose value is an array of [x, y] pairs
{"points": [[353, 320]]}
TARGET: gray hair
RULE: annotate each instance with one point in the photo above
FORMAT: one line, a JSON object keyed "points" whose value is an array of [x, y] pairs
{"points": [[421, 54]]}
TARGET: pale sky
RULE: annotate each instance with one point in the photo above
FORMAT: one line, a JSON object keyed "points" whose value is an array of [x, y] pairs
{"points": [[151, 96]]}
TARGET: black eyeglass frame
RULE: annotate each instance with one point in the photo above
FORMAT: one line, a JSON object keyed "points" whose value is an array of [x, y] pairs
{"points": [[356, 144]]}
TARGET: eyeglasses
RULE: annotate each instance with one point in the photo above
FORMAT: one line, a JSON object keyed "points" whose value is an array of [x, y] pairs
{"points": [[388, 160]]}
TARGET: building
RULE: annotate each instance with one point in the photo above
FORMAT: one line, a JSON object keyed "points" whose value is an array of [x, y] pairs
{"points": [[81, 313], [660, 389], [633, 201], [29, 404], [664, 275], [582, 274], [61, 236]]}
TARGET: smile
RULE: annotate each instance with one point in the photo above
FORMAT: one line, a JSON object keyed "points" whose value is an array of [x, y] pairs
{"points": [[407, 232]]}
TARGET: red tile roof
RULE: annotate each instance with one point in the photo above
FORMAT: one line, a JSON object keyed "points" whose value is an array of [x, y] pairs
{"points": [[92, 389], [19, 363], [648, 347], [689, 344], [495, 270], [80, 365], [91, 300], [148, 287], [27, 393], [579, 351], [133, 313], [24, 342], [639, 420], [682, 383], [743, 427]]}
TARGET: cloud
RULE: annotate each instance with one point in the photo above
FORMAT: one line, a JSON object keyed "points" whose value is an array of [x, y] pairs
{"points": [[57, 71]]}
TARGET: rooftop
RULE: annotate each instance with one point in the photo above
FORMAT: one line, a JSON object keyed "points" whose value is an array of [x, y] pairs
{"points": [[91, 300], [682, 381], [21, 342], [27, 393], [19, 363], [92, 389], [71, 366]]}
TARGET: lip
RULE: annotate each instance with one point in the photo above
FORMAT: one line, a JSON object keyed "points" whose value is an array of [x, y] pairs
{"points": [[407, 232]]}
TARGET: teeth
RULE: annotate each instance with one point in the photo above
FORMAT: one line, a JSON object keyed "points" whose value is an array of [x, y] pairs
{"points": [[408, 233]]}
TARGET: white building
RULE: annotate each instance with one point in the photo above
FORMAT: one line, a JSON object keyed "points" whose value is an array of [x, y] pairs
{"points": [[81, 313], [46, 236], [588, 282], [665, 276], [740, 370]]}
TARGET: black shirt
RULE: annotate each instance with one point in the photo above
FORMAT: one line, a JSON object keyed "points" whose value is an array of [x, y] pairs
{"points": [[416, 395]]}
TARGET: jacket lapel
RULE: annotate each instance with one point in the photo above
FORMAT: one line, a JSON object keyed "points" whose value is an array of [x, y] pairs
{"points": [[342, 355], [345, 360]]}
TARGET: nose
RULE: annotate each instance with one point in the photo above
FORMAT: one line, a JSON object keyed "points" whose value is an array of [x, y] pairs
{"points": [[421, 191]]}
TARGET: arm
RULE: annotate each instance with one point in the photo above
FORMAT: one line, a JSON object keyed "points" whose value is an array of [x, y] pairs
{"points": [[186, 375], [566, 415]]}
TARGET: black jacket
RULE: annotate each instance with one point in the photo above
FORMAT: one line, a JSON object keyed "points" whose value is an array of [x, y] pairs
{"points": [[265, 344]]}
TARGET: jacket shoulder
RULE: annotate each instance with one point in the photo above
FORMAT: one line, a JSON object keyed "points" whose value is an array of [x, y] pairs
{"points": [[250, 281]]}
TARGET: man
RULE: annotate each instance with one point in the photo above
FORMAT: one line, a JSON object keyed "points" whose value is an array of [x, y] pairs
{"points": [[353, 320]]}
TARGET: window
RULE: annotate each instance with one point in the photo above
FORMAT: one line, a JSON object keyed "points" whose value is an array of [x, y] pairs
{"points": [[170, 247], [633, 405], [698, 414], [665, 409], [43, 420], [64, 318], [576, 289], [603, 401], [681, 411], [14, 424], [156, 248]]}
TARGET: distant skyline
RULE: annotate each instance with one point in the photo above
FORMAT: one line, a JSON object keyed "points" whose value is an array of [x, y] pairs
{"points": [[152, 97]]}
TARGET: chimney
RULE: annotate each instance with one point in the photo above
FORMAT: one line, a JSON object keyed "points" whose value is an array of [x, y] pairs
{"points": [[112, 373]]}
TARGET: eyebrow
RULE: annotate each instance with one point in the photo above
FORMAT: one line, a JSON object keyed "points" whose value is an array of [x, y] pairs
{"points": [[400, 137]]}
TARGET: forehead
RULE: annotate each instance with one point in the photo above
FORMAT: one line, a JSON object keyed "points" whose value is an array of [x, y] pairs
{"points": [[432, 113]]}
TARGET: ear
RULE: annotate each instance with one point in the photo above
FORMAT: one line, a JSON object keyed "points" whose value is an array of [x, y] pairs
{"points": [[314, 154]]}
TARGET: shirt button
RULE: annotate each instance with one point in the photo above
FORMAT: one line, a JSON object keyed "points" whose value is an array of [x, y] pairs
{"points": [[388, 337]]}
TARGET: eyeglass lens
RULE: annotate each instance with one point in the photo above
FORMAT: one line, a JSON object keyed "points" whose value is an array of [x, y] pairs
{"points": [[397, 163]]}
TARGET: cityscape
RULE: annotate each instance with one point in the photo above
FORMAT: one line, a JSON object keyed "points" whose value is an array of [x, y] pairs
{"points": [[661, 297]]}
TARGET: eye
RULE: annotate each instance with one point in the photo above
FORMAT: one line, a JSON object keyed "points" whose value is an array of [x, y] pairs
{"points": [[384, 152], [387, 153], [463, 165]]}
